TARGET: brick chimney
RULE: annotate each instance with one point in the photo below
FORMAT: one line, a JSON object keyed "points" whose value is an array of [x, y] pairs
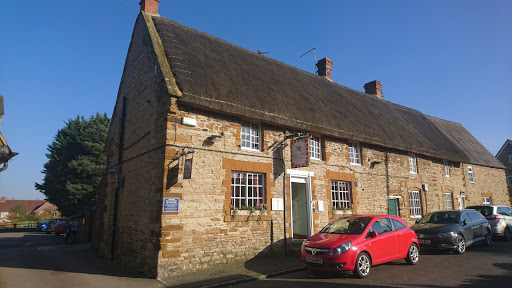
{"points": [[374, 88], [325, 68], [149, 6]]}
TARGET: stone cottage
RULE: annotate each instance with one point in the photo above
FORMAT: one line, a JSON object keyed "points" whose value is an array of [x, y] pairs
{"points": [[505, 157], [217, 153]]}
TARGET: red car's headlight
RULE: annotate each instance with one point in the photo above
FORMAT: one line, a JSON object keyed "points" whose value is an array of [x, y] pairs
{"points": [[342, 248]]}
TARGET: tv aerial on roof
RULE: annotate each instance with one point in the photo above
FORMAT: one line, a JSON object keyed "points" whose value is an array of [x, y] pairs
{"points": [[314, 52], [261, 52]]}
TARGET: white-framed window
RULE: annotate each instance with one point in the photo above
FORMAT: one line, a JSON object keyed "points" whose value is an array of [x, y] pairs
{"points": [[470, 175], [247, 189], [487, 200], [354, 153], [250, 136], [446, 168], [448, 201], [413, 167], [340, 194], [510, 158], [315, 150], [509, 178], [4, 214], [415, 203]]}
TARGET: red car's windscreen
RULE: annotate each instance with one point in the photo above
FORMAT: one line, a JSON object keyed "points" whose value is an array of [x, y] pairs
{"points": [[348, 225]]}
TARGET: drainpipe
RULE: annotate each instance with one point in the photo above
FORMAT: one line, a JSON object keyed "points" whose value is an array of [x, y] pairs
{"points": [[284, 206], [465, 184], [387, 174], [118, 176]]}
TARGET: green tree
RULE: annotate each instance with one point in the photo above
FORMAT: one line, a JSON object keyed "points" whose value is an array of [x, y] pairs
{"points": [[76, 162], [18, 213]]}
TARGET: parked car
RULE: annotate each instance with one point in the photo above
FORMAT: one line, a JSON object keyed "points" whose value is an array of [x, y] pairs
{"points": [[61, 227], [356, 243], [452, 230], [43, 226], [500, 218], [50, 225], [40, 225]]}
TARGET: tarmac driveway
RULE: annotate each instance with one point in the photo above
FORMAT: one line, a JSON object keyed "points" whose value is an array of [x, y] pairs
{"points": [[489, 267], [36, 259]]}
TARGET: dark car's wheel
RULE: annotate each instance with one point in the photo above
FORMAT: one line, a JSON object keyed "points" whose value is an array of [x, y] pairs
{"points": [[487, 238], [461, 244], [507, 235], [413, 255], [363, 265]]}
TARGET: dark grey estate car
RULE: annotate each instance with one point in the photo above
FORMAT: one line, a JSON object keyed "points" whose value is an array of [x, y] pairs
{"points": [[452, 230]]}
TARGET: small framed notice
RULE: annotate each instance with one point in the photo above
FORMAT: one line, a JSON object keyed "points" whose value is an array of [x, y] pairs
{"points": [[320, 206], [171, 204], [277, 204]]}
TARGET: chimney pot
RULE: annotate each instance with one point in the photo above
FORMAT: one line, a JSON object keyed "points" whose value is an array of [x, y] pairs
{"points": [[149, 6], [374, 88], [325, 68]]}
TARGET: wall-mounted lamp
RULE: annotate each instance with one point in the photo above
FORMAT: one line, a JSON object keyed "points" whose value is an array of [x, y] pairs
{"points": [[215, 138], [374, 163], [212, 140]]}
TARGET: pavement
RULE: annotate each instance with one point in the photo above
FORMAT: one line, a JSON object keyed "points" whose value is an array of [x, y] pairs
{"points": [[233, 273]]}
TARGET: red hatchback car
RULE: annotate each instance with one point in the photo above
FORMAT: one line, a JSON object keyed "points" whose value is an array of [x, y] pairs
{"points": [[357, 242], [61, 227]]}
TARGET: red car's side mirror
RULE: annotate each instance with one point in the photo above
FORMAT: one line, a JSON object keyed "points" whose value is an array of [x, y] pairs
{"points": [[374, 234]]}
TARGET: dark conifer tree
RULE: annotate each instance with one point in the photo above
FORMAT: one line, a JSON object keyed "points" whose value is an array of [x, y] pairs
{"points": [[76, 163]]}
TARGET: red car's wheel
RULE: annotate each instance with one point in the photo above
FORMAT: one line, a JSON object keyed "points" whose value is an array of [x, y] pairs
{"points": [[363, 265], [413, 254]]}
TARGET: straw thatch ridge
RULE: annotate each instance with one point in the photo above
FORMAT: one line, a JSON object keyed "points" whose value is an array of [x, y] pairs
{"points": [[216, 75]]}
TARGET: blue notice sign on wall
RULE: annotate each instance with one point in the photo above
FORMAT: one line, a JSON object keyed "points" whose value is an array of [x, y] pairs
{"points": [[171, 204]]}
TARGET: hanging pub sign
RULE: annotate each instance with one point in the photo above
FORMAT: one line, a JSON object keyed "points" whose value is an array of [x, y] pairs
{"points": [[300, 152], [187, 173]]}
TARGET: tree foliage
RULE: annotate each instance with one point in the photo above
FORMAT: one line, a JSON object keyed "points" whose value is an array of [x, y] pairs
{"points": [[20, 213], [76, 162]]}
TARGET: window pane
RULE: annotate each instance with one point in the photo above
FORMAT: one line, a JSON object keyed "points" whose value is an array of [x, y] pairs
{"points": [[314, 148], [353, 153], [340, 195], [250, 135], [247, 189], [470, 174], [415, 203]]}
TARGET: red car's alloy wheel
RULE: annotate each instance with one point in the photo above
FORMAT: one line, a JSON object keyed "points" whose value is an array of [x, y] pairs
{"points": [[363, 265]]}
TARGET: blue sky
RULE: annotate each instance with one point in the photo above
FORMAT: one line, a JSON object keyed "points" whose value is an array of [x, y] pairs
{"points": [[448, 59]]}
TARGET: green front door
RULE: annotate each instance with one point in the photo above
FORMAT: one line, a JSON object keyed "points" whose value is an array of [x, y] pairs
{"points": [[299, 211], [393, 206]]}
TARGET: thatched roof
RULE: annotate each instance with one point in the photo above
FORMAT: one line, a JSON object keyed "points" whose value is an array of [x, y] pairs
{"points": [[216, 75], [461, 137]]}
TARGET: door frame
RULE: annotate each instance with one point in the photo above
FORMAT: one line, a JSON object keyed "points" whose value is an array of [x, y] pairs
{"points": [[299, 176], [397, 203], [459, 198]]}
